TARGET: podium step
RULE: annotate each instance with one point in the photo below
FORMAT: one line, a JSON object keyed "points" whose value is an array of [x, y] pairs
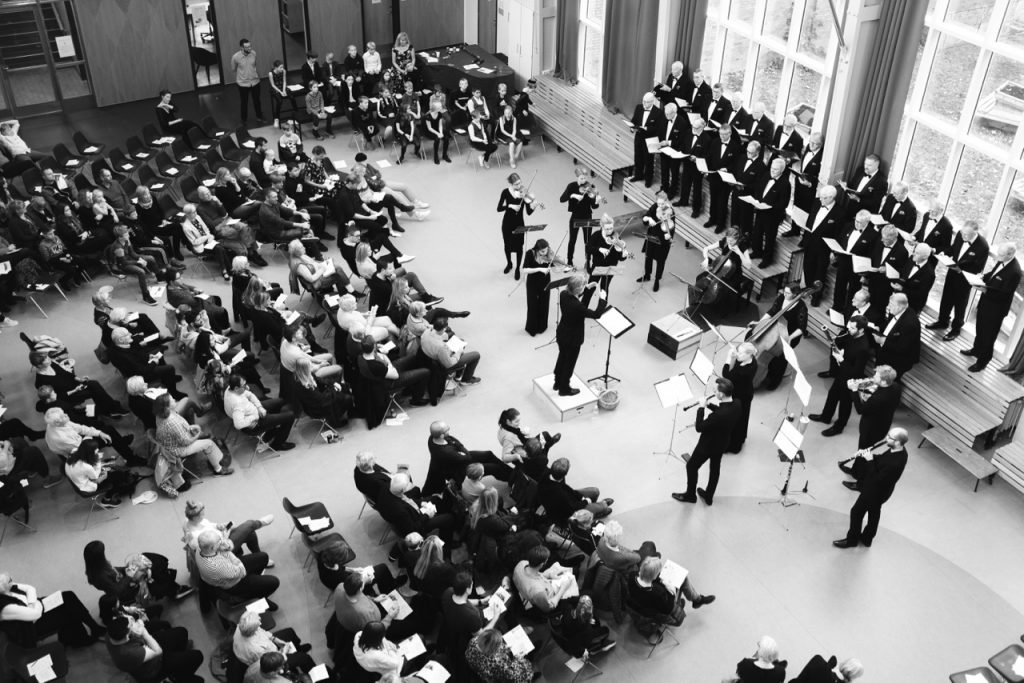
{"points": [[567, 406]]}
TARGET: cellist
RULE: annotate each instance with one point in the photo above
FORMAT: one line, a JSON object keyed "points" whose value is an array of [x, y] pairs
{"points": [[727, 267], [796, 328]]}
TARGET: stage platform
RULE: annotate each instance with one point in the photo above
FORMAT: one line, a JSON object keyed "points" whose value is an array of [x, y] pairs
{"points": [[567, 406]]}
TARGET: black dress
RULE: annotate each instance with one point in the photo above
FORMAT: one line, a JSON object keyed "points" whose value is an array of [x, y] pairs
{"points": [[538, 298], [512, 219]]}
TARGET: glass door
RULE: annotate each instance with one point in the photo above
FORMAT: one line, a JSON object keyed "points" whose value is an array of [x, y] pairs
{"points": [[42, 66]]}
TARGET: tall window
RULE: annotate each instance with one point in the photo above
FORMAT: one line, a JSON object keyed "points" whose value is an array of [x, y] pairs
{"points": [[591, 43], [779, 52], [961, 140]]}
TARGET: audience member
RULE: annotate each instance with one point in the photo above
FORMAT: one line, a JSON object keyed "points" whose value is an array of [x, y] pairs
{"points": [[764, 667]]}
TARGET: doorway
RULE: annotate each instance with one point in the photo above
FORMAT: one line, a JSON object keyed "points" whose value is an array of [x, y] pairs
{"points": [[378, 25], [487, 25], [203, 42], [42, 66], [294, 20]]}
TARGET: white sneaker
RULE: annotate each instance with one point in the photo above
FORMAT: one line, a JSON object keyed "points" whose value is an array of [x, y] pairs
{"points": [[405, 258], [8, 322], [421, 215], [277, 123], [480, 160], [421, 205], [267, 520], [270, 564]]}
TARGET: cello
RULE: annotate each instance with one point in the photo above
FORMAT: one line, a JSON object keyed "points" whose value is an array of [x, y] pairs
{"points": [[766, 336], [707, 287]]}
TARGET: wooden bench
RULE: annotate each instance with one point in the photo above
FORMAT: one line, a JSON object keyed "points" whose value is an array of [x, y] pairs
{"points": [[973, 462], [581, 126], [1009, 459]]}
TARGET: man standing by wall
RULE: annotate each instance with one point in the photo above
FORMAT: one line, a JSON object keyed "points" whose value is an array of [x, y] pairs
{"points": [[248, 80]]}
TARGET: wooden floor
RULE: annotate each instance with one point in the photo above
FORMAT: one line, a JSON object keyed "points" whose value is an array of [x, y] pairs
{"points": [[940, 590]]}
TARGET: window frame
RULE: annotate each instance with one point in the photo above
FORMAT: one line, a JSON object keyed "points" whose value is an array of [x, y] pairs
{"points": [[585, 24]]}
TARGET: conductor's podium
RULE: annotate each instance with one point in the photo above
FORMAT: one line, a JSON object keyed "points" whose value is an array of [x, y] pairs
{"points": [[567, 406]]}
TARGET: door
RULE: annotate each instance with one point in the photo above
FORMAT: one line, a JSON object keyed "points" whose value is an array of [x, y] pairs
{"points": [[487, 24], [42, 66], [378, 25]]}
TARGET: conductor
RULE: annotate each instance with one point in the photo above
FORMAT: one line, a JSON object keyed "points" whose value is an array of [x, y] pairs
{"points": [[569, 334], [881, 472], [715, 431]]}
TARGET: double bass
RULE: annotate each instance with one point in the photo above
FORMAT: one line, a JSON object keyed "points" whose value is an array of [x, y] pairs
{"points": [[766, 335]]}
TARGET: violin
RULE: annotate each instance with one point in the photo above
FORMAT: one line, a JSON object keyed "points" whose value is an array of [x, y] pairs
{"points": [[551, 259], [519, 192], [588, 189]]}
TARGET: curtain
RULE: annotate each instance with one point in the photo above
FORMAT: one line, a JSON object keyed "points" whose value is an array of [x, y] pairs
{"points": [[630, 27], [688, 19], [567, 33], [887, 85]]}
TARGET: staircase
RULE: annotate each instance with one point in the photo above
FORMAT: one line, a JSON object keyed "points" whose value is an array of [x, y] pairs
{"points": [[20, 44]]}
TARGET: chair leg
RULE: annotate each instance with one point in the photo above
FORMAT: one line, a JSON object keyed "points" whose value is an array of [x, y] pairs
{"points": [[260, 441], [361, 510], [36, 304], [3, 533]]}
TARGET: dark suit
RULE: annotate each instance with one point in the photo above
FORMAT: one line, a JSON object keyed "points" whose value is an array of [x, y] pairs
{"points": [[742, 378], [917, 282], [994, 303], [569, 335], [721, 156], [901, 215], [559, 499], [776, 194], [698, 96], [809, 165], [870, 196], [864, 246], [715, 431], [939, 233], [740, 120], [643, 164], [956, 291], [671, 132], [794, 143], [747, 172], [878, 283], [760, 130], [674, 87], [406, 519], [371, 484], [716, 110], [822, 222], [876, 414], [882, 473], [856, 352], [901, 348], [692, 179]]}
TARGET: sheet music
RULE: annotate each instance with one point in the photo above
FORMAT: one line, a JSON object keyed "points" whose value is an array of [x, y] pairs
{"points": [[799, 216], [318, 673], [456, 345], [673, 575], [876, 219], [861, 264], [790, 354], [891, 272], [673, 391], [52, 601], [518, 641], [802, 388], [835, 246], [695, 119], [653, 145], [973, 279], [412, 647], [702, 367], [728, 177], [836, 318], [701, 164], [944, 259], [672, 152], [614, 322], [259, 607], [433, 672], [788, 439]]}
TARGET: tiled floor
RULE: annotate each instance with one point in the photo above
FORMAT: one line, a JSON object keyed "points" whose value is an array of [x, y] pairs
{"points": [[939, 591]]}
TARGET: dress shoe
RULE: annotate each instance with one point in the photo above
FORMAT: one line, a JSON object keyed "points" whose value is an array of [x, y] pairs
{"points": [[852, 485], [951, 335], [720, 229], [937, 325], [695, 213], [703, 600], [792, 232], [866, 542], [844, 468], [571, 391], [977, 367], [709, 224], [644, 278], [608, 501], [657, 285], [418, 402], [704, 496], [818, 417], [764, 263], [683, 498], [552, 439], [832, 431], [634, 178], [968, 352], [825, 373], [508, 269], [679, 204], [843, 543]]}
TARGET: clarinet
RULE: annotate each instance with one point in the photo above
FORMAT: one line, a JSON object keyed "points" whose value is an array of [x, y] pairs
{"points": [[863, 451]]}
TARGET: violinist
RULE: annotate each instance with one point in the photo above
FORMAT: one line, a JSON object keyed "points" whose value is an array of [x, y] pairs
{"points": [[876, 401], [715, 429], [851, 351], [740, 368], [605, 249], [583, 198], [513, 202], [537, 266], [660, 230], [727, 267], [569, 335], [796, 328]]}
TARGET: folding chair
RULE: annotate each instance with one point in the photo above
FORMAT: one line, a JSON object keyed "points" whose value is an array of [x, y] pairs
{"points": [[121, 162], [137, 149], [93, 501], [652, 630], [67, 160], [261, 447], [212, 128], [321, 424], [151, 135], [386, 534]]}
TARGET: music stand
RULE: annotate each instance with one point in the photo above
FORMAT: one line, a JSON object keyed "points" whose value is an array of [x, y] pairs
{"points": [[789, 439], [615, 324], [672, 392], [523, 229]]}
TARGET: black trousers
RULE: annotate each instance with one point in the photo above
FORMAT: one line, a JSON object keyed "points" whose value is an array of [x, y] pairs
{"points": [[244, 93], [178, 661], [697, 460], [656, 254], [720, 192], [276, 424], [990, 319], [442, 144], [565, 364], [691, 189], [254, 585], [839, 397], [871, 507], [486, 147], [574, 234], [955, 295], [670, 175], [643, 161], [843, 292], [763, 237]]}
